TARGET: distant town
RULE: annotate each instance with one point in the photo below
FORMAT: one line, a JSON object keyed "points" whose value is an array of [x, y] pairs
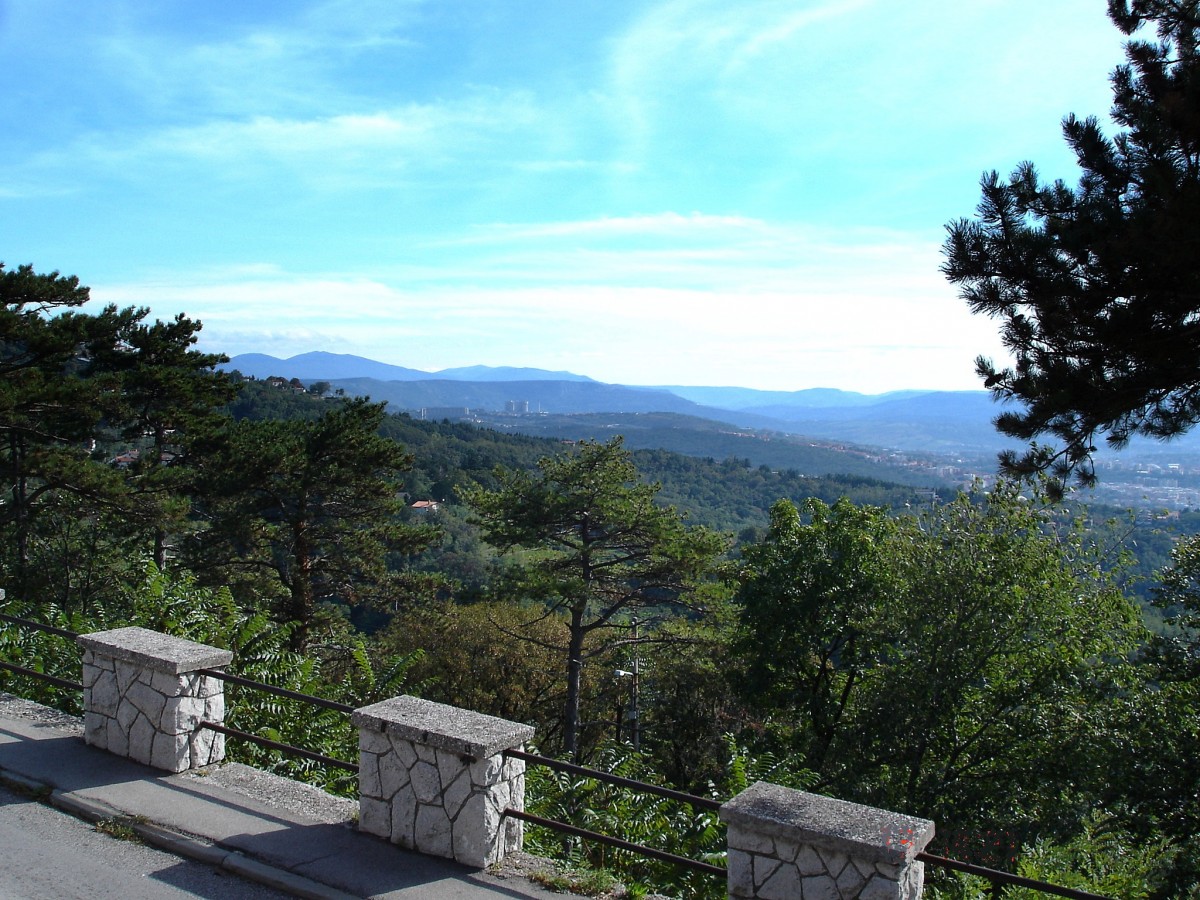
{"points": [[1127, 482]]}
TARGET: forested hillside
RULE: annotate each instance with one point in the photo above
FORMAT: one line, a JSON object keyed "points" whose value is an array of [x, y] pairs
{"points": [[715, 440], [975, 659]]}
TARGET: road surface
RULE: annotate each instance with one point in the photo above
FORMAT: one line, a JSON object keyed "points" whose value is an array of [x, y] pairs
{"points": [[49, 855]]}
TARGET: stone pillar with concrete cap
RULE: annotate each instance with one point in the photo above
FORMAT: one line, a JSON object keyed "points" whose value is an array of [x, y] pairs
{"points": [[785, 843], [434, 778], [143, 697]]}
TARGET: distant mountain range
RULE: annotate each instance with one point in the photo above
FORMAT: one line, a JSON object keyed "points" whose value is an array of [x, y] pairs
{"points": [[322, 366], [940, 421]]}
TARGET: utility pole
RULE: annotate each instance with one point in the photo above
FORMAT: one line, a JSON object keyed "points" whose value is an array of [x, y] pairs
{"points": [[635, 731]]}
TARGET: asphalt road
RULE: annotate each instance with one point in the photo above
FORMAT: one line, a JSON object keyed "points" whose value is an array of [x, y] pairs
{"points": [[49, 855]]}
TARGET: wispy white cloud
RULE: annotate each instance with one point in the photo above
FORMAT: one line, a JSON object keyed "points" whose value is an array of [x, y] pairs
{"points": [[377, 149], [660, 224], [856, 79], [601, 167], [788, 310], [691, 64], [695, 252], [781, 30], [248, 65]]}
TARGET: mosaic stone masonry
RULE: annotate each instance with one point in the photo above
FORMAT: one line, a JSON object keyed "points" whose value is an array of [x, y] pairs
{"points": [[143, 698], [433, 778], [786, 844]]}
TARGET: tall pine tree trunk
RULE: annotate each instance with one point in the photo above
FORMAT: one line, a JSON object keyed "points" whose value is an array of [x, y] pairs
{"points": [[20, 502], [574, 682], [302, 606]]}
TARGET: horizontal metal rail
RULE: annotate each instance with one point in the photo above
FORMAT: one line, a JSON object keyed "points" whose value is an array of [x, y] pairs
{"points": [[38, 626], [42, 676], [277, 745], [997, 877], [660, 855], [678, 796], [282, 692]]}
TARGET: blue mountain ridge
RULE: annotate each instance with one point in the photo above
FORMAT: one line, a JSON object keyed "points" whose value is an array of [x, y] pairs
{"points": [[911, 421], [954, 421], [325, 366]]}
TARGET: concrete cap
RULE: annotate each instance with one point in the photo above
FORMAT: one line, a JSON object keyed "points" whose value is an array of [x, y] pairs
{"points": [[445, 727], [863, 832], [160, 652]]}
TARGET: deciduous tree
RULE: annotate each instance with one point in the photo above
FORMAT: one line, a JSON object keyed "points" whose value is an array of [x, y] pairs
{"points": [[812, 602], [954, 665]]}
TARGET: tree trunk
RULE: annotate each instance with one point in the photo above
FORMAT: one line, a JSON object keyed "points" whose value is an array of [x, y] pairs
{"points": [[20, 510], [574, 683], [160, 549], [160, 533], [301, 611]]}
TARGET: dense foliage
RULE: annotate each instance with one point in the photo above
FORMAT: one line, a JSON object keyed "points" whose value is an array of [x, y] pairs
{"points": [[951, 663], [305, 511], [341, 669]]}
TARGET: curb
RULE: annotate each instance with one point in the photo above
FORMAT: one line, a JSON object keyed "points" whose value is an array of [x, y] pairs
{"points": [[27, 786], [88, 810], [174, 842], [280, 879]]}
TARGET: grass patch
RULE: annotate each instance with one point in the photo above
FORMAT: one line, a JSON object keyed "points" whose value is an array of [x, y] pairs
{"points": [[590, 882], [40, 793], [120, 827]]}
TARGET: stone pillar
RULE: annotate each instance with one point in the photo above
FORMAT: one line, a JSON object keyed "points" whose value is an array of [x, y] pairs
{"points": [[434, 779], [143, 698], [785, 844]]}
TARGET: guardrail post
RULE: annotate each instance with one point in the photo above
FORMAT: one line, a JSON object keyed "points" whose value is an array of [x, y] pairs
{"points": [[143, 697], [786, 843], [434, 778]]}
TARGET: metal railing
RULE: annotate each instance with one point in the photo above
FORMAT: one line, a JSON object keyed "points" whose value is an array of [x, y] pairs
{"points": [[619, 780], [33, 673], [278, 745], [998, 879], [608, 840], [39, 626]]}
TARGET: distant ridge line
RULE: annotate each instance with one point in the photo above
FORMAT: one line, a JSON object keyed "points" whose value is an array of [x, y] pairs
{"points": [[939, 421], [325, 366]]}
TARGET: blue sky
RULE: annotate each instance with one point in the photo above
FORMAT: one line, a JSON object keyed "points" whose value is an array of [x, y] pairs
{"points": [[732, 192]]}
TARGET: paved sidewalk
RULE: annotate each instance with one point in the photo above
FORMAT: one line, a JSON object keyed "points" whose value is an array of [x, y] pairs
{"points": [[278, 832]]}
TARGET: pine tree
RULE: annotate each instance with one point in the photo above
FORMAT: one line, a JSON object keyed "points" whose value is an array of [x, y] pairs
{"points": [[169, 394], [311, 505], [1097, 286], [51, 401], [602, 553]]}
